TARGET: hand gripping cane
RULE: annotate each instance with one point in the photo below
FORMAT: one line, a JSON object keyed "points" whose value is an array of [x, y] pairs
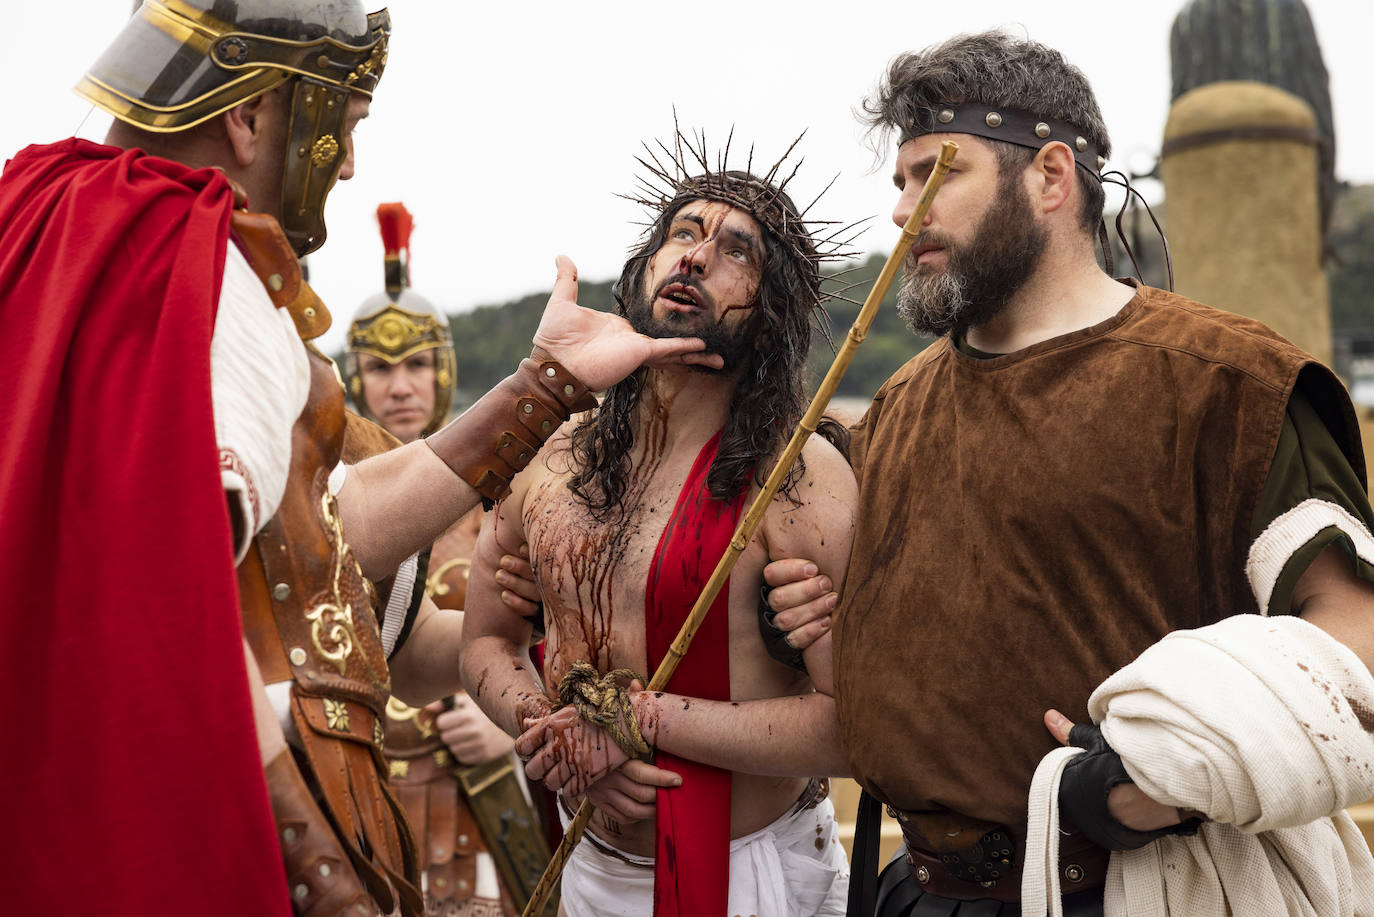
{"points": [[745, 531]]}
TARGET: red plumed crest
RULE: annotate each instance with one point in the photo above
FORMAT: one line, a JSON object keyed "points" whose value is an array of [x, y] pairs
{"points": [[396, 223]]}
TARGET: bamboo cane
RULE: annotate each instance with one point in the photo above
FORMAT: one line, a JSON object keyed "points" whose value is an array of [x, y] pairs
{"points": [[744, 532]]}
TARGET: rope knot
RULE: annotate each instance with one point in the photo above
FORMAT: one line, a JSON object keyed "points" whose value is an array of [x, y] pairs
{"points": [[604, 700]]}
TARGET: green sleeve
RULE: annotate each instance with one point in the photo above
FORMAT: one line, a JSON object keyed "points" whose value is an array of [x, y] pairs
{"points": [[1309, 465]]}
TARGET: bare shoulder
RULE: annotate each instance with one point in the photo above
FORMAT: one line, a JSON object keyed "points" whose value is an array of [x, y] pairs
{"points": [[556, 458], [826, 466], [825, 478], [815, 517]]}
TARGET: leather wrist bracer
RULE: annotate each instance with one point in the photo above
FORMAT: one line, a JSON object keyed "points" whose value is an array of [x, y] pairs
{"points": [[319, 875], [1083, 791], [496, 437]]}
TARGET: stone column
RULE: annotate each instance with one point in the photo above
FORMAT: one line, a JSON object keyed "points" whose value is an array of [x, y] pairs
{"points": [[1240, 170]]}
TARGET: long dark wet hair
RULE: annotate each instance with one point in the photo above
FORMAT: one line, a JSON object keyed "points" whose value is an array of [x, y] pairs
{"points": [[770, 395]]}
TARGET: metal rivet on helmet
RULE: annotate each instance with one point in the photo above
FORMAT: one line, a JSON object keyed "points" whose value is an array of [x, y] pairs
{"points": [[232, 51]]}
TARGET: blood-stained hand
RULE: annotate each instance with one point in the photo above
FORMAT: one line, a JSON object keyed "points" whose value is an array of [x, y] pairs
{"points": [[599, 348], [629, 793], [532, 706], [469, 735], [566, 753], [804, 600]]}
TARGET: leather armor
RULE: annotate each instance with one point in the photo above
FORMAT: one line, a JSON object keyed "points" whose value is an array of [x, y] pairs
{"points": [[446, 832], [308, 617]]}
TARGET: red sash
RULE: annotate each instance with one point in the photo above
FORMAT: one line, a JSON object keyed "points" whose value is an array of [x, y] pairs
{"points": [[132, 779], [692, 847]]}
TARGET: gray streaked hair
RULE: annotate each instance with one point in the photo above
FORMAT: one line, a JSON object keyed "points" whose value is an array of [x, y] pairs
{"points": [[989, 68]]}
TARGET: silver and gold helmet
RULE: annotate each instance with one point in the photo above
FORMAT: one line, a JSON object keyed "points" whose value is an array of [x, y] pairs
{"points": [[179, 63], [400, 322]]}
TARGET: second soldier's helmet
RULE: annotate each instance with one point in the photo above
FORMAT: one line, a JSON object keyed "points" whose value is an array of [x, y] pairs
{"points": [[399, 322], [178, 63]]}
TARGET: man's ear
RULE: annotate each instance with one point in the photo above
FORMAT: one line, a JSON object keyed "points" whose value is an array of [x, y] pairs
{"points": [[1053, 176], [245, 125]]}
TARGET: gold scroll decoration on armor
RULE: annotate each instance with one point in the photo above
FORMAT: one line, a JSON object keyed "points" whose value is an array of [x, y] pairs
{"points": [[435, 585], [401, 712], [331, 623]]}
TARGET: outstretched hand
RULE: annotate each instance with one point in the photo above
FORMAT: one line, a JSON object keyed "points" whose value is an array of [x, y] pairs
{"points": [[600, 349]]}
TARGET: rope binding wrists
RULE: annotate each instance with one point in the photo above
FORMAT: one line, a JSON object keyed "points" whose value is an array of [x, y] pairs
{"points": [[604, 700]]}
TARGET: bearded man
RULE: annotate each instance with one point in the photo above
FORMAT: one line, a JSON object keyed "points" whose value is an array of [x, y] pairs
{"points": [[1080, 472], [146, 722], [626, 517]]}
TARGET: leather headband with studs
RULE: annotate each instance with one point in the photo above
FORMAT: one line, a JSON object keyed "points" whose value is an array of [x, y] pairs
{"points": [[1011, 126]]}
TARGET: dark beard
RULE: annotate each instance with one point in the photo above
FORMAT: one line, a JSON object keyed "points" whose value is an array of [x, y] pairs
{"points": [[732, 345], [981, 277]]}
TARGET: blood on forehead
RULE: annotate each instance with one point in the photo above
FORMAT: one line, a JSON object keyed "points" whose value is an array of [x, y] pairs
{"points": [[712, 216]]}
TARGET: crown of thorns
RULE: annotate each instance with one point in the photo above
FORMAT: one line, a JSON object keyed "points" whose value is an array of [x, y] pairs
{"points": [[808, 243]]}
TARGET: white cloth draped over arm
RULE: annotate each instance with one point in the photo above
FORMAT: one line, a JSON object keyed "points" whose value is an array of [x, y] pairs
{"points": [[1259, 723], [259, 383]]}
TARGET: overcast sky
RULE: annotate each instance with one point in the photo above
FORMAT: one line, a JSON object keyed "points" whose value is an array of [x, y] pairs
{"points": [[507, 129]]}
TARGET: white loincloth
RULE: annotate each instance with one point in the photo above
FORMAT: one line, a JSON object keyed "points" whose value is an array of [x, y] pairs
{"points": [[795, 867], [1257, 723]]}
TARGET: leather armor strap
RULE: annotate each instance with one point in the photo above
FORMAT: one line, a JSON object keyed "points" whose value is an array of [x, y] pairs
{"points": [[318, 874], [498, 436], [341, 743], [991, 866], [265, 246]]}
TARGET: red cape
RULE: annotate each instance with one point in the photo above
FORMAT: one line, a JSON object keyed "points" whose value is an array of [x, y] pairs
{"points": [[131, 776], [692, 829]]}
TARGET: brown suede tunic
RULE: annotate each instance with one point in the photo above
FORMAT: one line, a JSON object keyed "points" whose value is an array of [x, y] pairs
{"points": [[1028, 524]]}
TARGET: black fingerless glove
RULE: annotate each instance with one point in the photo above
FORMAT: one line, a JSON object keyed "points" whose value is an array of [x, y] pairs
{"points": [[1083, 789], [774, 639]]}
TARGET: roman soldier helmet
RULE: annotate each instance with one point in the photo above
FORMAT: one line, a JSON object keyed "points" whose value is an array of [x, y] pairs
{"points": [[179, 63], [399, 322]]}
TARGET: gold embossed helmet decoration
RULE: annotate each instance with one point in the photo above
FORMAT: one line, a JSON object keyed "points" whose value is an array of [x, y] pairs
{"points": [[399, 322], [179, 63]]}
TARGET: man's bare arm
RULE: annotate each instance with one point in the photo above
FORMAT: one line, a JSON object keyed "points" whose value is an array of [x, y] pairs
{"points": [[495, 660], [1329, 595], [822, 529], [426, 667], [399, 502]]}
